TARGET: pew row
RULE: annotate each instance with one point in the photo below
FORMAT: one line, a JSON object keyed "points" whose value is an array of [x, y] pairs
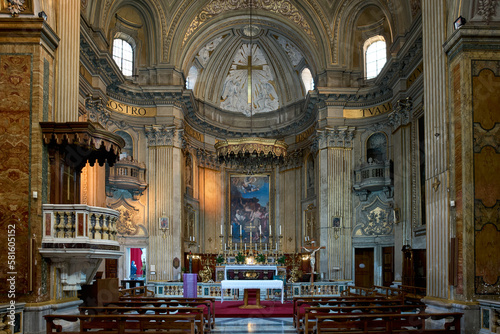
{"points": [[123, 323], [196, 311], [387, 323]]}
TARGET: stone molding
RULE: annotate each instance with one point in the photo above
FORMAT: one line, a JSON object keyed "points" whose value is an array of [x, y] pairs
{"points": [[339, 136]]}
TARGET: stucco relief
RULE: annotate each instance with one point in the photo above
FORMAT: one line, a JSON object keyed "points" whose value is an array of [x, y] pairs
{"points": [[204, 53], [292, 52], [249, 86], [375, 218]]}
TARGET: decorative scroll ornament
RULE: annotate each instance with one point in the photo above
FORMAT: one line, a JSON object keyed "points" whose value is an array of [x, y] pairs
{"points": [[486, 8], [96, 112], [16, 7], [401, 114], [251, 153], [377, 219], [281, 7], [127, 223]]}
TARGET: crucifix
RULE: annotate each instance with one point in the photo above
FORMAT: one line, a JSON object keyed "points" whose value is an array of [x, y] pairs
{"points": [[312, 257], [249, 67]]}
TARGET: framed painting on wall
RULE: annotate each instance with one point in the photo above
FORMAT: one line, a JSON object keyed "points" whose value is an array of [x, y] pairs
{"points": [[249, 208]]}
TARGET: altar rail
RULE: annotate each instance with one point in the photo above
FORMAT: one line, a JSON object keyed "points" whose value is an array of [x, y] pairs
{"points": [[299, 289], [490, 316]]}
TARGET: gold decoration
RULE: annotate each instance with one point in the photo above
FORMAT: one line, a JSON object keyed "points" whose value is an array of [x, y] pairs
{"points": [[282, 7]]}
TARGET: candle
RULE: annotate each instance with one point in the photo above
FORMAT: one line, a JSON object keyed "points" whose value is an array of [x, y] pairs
{"points": [[276, 246], [235, 247], [250, 236], [241, 231], [270, 230], [266, 247], [245, 247], [225, 246], [221, 229], [280, 229], [260, 229]]}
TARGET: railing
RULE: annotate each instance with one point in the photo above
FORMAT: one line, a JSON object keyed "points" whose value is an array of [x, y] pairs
{"points": [[128, 174], [214, 289], [373, 175], [490, 316], [78, 221]]}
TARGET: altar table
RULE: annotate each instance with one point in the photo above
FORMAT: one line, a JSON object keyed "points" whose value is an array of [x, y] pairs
{"points": [[253, 267], [251, 284]]}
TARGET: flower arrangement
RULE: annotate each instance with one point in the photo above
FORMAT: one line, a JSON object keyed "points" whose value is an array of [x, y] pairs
{"points": [[281, 260], [219, 258], [240, 258], [261, 258]]}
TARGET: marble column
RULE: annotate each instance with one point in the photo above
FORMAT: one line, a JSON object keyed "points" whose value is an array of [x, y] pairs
{"points": [[335, 200], [436, 149], [67, 61], [165, 190]]}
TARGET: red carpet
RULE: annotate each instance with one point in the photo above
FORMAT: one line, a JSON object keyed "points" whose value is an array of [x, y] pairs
{"points": [[273, 309]]}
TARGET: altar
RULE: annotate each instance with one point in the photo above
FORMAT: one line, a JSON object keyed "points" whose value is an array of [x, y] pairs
{"points": [[250, 272], [252, 284]]}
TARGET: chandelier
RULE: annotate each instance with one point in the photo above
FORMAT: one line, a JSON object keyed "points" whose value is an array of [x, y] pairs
{"points": [[251, 153]]}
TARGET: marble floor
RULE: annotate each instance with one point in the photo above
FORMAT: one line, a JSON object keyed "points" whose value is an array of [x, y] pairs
{"points": [[254, 325]]}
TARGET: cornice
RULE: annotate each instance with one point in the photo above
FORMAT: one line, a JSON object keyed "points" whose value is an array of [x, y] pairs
{"points": [[28, 30]]}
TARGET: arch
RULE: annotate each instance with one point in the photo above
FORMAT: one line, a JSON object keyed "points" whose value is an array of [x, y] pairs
{"points": [[128, 149], [376, 148]]}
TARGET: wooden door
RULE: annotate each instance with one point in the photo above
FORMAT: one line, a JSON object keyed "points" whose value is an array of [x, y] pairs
{"points": [[363, 274], [387, 266]]}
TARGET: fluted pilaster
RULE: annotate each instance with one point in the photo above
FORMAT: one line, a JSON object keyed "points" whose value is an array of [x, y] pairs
{"points": [[335, 200], [164, 161], [436, 154], [67, 60]]}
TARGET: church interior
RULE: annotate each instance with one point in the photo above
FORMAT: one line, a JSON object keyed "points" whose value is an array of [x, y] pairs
{"points": [[345, 143]]}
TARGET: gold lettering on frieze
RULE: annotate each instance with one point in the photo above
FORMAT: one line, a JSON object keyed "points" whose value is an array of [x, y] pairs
{"points": [[131, 110], [377, 110], [193, 133], [304, 135], [414, 75]]}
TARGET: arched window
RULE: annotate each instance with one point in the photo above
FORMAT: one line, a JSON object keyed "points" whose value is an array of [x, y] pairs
{"points": [[191, 78], [128, 149], [375, 56], [123, 54], [376, 148], [307, 79]]}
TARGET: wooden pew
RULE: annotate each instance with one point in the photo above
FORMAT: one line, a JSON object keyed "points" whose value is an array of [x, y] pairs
{"points": [[311, 313], [358, 291], [138, 302], [386, 323], [138, 291], [413, 294], [300, 303], [124, 323], [388, 292], [197, 311]]}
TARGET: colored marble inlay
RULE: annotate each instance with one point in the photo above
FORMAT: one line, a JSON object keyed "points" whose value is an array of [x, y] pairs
{"points": [[48, 224], [81, 225], [15, 112]]}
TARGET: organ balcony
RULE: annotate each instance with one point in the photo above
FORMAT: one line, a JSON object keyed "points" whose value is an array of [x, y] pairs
{"points": [[128, 174], [373, 176]]}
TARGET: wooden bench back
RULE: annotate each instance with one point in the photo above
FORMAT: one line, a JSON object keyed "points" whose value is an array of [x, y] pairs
{"points": [[387, 323], [125, 323]]}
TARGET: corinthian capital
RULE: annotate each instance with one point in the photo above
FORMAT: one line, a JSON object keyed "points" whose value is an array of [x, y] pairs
{"points": [[339, 136], [163, 136]]}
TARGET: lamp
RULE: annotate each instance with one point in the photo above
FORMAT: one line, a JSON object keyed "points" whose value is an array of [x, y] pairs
{"points": [[251, 153], [459, 22]]}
